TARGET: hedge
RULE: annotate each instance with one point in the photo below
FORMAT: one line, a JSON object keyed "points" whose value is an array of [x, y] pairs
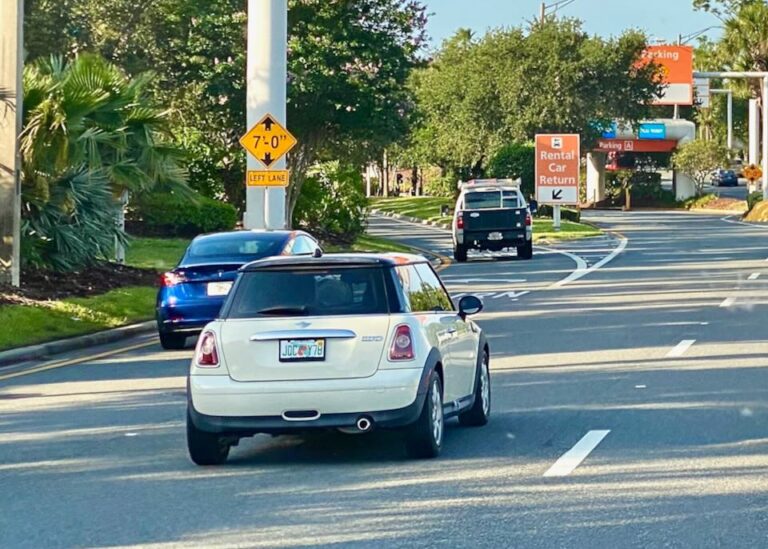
{"points": [[168, 214]]}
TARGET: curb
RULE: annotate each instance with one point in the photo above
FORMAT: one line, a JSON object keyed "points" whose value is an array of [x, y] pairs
{"points": [[46, 350], [409, 219]]}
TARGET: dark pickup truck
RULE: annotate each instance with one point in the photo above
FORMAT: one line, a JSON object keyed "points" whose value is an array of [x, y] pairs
{"points": [[492, 215]]}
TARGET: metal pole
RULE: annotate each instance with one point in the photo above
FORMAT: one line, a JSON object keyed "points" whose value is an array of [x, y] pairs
{"points": [[765, 137], [730, 119], [11, 67], [543, 13], [266, 79], [754, 132], [556, 217]]}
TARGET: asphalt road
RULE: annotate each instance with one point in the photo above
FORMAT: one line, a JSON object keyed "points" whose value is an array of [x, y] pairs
{"points": [[642, 359]]}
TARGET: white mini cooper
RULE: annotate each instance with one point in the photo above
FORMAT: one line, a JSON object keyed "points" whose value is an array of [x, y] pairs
{"points": [[353, 342]]}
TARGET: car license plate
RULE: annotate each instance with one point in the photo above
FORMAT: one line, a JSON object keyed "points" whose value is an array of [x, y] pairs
{"points": [[302, 350], [495, 236], [218, 288]]}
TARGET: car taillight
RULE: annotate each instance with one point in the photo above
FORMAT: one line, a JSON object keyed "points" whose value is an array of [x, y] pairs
{"points": [[460, 220], [207, 356], [528, 219], [167, 280], [402, 344]]}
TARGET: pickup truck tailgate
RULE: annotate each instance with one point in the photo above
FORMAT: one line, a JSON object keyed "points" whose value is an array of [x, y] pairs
{"points": [[494, 219]]}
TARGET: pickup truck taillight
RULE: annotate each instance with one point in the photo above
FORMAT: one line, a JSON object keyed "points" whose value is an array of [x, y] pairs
{"points": [[528, 219], [460, 220]]}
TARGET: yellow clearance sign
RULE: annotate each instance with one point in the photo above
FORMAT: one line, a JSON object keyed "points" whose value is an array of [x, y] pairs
{"points": [[268, 141], [271, 178], [557, 168]]}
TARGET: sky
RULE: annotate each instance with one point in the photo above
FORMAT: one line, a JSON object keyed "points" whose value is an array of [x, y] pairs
{"points": [[661, 19]]}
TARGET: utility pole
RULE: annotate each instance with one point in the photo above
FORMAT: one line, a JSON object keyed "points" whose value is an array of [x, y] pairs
{"points": [[11, 68], [543, 13], [267, 71]]}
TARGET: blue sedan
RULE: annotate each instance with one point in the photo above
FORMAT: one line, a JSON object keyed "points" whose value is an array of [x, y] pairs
{"points": [[191, 295], [723, 178]]}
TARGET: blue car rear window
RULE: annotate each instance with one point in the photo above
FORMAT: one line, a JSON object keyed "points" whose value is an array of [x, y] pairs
{"points": [[234, 250]]}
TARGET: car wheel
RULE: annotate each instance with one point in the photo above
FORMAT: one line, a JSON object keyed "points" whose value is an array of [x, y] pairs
{"points": [[459, 253], [480, 411], [206, 448], [172, 342], [526, 250], [424, 438]]}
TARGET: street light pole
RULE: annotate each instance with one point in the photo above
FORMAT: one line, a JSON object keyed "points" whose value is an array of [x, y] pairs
{"points": [[11, 68], [267, 70]]}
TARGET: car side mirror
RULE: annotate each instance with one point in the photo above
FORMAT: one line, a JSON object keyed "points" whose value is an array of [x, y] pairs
{"points": [[469, 305], [317, 253]]}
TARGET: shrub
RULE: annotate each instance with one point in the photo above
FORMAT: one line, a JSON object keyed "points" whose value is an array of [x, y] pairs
{"points": [[753, 199], [444, 185], [566, 214], [513, 161], [699, 201], [171, 214], [332, 203]]}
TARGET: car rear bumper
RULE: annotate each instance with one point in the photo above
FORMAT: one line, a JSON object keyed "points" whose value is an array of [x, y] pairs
{"points": [[479, 239], [390, 398]]}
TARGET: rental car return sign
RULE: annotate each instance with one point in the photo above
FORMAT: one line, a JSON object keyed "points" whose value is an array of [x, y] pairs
{"points": [[557, 169]]}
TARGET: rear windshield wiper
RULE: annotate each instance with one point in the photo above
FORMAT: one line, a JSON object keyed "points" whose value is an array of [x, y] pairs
{"points": [[284, 311]]}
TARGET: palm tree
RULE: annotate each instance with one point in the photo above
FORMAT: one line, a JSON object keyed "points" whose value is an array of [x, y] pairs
{"points": [[87, 126], [745, 43]]}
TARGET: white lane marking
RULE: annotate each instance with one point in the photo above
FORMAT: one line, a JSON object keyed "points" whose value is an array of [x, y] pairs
{"points": [[728, 301], [754, 276], [511, 295], [451, 280], [681, 348], [573, 457], [641, 386], [582, 269], [581, 266], [729, 219]]}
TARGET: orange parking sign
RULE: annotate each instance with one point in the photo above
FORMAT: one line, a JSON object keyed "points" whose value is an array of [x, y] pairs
{"points": [[557, 168], [676, 64]]}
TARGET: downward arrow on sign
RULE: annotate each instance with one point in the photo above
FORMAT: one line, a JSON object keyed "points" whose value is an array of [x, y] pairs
{"points": [[267, 159], [557, 194]]}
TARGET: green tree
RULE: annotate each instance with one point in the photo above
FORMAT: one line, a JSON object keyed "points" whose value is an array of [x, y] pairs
{"points": [[698, 159], [515, 160], [744, 46], [347, 62], [90, 133], [722, 8], [479, 94]]}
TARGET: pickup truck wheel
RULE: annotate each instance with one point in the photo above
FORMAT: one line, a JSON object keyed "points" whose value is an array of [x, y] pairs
{"points": [[480, 411], [206, 448], [525, 251], [424, 438], [172, 342], [459, 253]]}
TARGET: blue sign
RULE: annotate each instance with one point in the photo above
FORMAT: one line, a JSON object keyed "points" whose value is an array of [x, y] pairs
{"points": [[652, 131], [610, 133]]}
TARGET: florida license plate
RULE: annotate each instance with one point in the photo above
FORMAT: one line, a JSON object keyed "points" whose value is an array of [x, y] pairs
{"points": [[302, 350], [218, 288], [495, 236]]}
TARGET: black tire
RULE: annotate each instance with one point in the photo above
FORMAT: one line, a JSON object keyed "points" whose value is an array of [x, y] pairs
{"points": [[424, 438], [460, 253], [478, 414], [172, 342], [526, 250], [206, 448]]}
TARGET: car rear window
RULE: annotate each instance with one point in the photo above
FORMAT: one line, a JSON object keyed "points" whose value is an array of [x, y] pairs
{"points": [[316, 292], [482, 200], [237, 249]]}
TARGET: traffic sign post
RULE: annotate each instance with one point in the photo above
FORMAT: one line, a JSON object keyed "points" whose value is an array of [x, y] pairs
{"points": [[557, 171], [267, 70]]}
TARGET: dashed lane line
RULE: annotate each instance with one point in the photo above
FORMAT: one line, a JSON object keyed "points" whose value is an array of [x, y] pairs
{"points": [[573, 457], [727, 302], [754, 276], [680, 349]]}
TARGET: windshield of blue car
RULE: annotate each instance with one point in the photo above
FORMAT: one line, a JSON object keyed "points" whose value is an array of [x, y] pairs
{"points": [[235, 249]]}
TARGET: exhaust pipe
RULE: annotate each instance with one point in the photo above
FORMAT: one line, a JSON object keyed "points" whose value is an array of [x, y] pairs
{"points": [[364, 424]]}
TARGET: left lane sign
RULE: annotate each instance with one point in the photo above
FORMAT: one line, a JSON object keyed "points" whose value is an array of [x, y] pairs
{"points": [[268, 141]]}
